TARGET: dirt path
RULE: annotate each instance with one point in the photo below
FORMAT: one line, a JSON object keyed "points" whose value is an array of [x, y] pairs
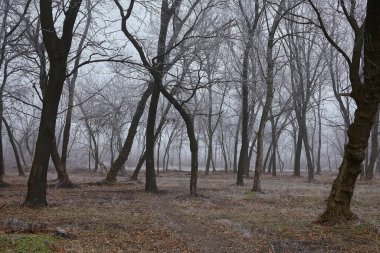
{"points": [[201, 234], [197, 234]]}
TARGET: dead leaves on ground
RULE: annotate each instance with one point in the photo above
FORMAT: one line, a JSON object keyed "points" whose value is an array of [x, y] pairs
{"points": [[226, 218]]}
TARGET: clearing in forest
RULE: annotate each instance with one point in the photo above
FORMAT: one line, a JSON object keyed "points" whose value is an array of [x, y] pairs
{"points": [[225, 218]]}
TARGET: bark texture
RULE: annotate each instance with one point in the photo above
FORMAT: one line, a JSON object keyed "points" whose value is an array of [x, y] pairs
{"points": [[58, 50], [367, 97]]}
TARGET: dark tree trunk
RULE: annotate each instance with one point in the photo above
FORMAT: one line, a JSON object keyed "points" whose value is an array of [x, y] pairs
{"points": [[157, 133], [274, 146], [138, 167], [269, 169], [37, 183], [243, 158], [123, 155], [189, 122], [150, 176], [58, 50], [63, 177], [158, 155], [297, 155], [180, 152], [319, 169], [367, 98]]}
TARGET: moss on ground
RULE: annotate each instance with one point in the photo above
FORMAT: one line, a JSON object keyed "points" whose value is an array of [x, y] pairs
{"points": [[25, 243]]}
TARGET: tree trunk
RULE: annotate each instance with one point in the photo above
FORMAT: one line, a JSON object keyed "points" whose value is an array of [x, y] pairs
{"points": [[268, 98], [21, 153], [274, 146], [297, 155], [63, 177], [367, 98], [158, 155], [309, 160], [37, 182], [123, 155], [14, 147], [2, 170], [374, 148], [138, 166], [243, 158], [319, 169], [180, 152], [58, 50], [71, 86], [157, 133], [209, 130], [236, 143], [150, 176], [189, 122]]}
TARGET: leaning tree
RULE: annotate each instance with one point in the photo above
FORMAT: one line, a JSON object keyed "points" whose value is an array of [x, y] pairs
{"points": [[366, 94]]}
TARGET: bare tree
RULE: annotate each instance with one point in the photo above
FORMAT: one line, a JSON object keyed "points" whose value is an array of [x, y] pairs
{"points": [[58, 50], [269, 95], [250, 25], [366, 96]]}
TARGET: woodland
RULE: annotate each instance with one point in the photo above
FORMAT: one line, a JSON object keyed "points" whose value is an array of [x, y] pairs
{"points": [[189, 126]]}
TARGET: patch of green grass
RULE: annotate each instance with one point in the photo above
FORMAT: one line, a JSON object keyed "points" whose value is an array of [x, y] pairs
{"points": [[5, 243], [250, 194], [28, 243]]}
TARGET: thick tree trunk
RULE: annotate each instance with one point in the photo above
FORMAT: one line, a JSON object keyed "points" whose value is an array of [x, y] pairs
{"points": [[37, 182], [338, 203], [367, 98], [58, 50]]}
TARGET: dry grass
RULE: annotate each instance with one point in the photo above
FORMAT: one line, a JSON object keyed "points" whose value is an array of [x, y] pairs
{"points": [[226, 218]]}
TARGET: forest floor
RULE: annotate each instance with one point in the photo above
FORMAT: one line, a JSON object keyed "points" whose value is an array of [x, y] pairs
{"points": [[225, 218]]}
